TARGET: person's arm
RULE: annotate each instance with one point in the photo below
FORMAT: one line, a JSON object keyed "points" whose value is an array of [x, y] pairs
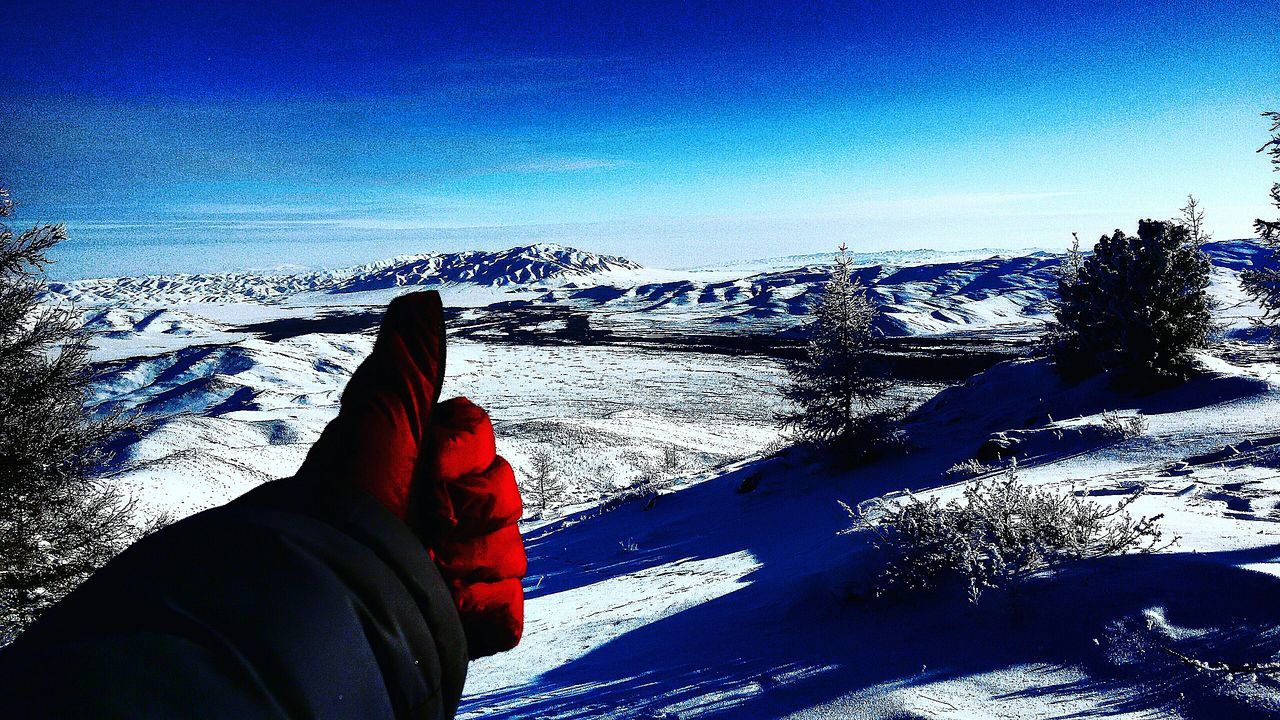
{"points": [[286, 603], [313, 596]]}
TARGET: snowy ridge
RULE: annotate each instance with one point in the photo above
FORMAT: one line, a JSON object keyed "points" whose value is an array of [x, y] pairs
{"points": [[193, 288], [913, 299], [520, 265], [535, 263], [918, 292], [897, 258]]}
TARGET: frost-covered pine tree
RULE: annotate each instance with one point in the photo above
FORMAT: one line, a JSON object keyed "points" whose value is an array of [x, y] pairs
{"points": [[1138, 305], [58, 521], [1065, 336], [543, 487], [1193, 219], [1264, 283], [835, 386]]}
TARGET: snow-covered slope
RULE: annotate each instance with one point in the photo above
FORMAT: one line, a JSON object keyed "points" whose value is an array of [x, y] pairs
{"points": [[716, 603]]}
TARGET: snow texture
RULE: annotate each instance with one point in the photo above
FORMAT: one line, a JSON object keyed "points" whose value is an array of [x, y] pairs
{"points": [[712, 602]]}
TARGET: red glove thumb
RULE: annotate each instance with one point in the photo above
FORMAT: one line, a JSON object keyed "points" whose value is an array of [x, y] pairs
{"points": [[374, 442], [469, 509]]}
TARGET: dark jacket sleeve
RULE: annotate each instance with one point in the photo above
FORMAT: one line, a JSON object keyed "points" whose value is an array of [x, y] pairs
{"points": [[294, 601]]}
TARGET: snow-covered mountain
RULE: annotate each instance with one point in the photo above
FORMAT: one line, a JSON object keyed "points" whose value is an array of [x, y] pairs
{"points": [[519, 265], [918, 292], [541, 262], [914, 299]]}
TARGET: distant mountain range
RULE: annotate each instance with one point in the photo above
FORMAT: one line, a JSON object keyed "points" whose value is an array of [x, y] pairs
{"points": [[540, 262], [519, 265], [918, 292]]}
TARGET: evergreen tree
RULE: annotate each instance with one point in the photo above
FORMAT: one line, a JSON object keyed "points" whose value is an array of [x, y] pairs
{"points": [[836, 384], [1193, 219], [58, 522], [1138, 305], [1065, 337], [1263, 284], [543, 487]]}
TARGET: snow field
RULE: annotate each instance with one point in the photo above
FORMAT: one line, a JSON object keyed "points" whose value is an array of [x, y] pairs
{"points": [[713, 603]]}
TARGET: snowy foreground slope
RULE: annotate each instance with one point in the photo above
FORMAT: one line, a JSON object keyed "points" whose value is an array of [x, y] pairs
{"points": [[745, 605], [715, 603]]}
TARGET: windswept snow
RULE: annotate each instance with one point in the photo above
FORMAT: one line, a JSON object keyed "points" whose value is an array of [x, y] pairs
{"points": [[710, 602]]}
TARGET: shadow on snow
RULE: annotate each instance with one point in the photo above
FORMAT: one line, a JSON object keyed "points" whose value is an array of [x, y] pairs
{"points": [[791, 638]]}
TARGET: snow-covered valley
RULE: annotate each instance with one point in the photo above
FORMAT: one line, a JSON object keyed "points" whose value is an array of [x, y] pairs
{"points": [[711, 602]]}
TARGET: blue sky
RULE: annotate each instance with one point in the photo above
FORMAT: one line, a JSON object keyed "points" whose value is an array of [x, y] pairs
{"points": [[174, 137]]}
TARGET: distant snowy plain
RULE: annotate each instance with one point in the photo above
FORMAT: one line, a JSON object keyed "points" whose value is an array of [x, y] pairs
{"points": [[713, 603]]}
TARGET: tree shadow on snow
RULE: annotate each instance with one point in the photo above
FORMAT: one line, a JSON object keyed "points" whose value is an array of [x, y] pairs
{"points": [[788, 641], [790, 638]]}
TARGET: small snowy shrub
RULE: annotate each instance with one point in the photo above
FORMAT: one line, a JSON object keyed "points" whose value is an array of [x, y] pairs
{"points": [[1001, 533], [775, 447], [836, 385], [969, 468], [597, 480], [650, 474], [1123, 427], [1138, 305]]}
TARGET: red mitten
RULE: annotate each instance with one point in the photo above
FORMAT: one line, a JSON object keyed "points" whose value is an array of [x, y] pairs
{"points": [[393, 440], [386, 407], [468, 510]]}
